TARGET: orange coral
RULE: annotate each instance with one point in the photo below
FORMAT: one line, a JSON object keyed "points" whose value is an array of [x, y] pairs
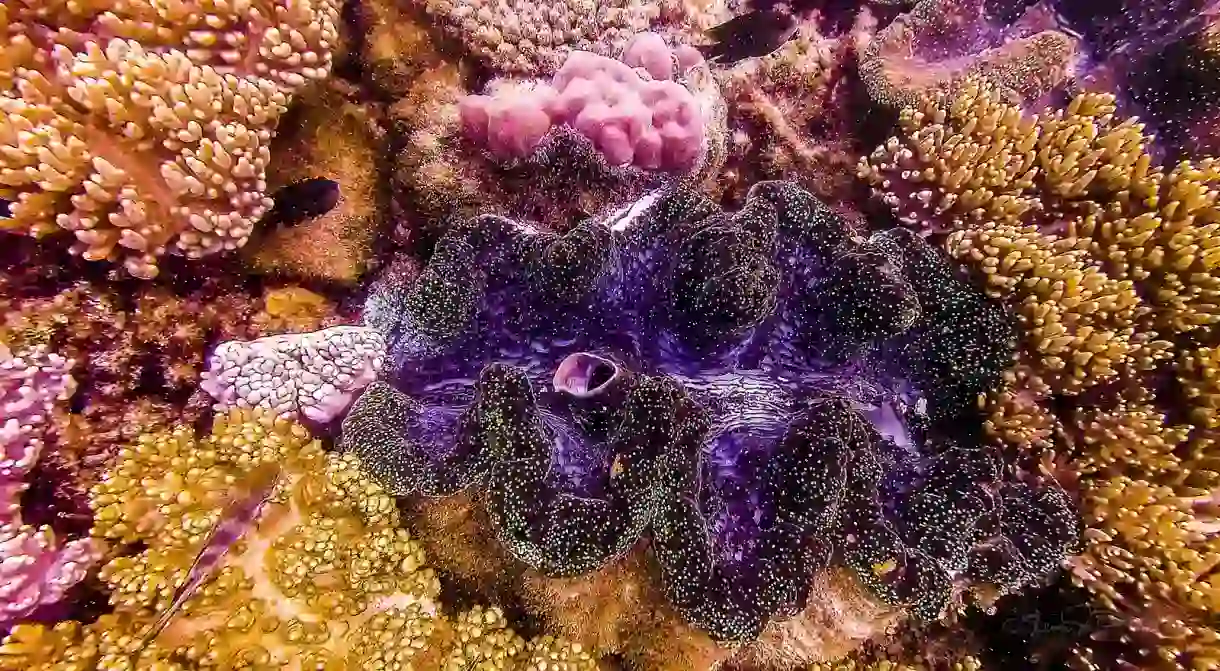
{"points": [[144, 127]]}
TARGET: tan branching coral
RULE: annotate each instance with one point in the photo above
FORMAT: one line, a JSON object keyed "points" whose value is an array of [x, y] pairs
{"points": [[1082, 175], [1104, 254], [144, 128], [1110, 262], [253, 548]]}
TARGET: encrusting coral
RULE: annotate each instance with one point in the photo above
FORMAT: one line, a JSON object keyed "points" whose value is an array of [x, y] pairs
{"points": [[938, 44], [144, 128], [681, 374], [36, 568], [254, 548], [322, 236]]}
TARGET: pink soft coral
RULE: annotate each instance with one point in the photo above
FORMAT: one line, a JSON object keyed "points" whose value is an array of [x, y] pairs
{"points": [[35, 569], [631, 109]]}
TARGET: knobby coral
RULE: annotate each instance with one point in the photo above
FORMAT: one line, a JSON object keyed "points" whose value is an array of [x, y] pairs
{"points": [[598, 135], [308, 375], [144, 128], [630, 108], [253, 548], [760, 393], [36, 569], [536, 38]]}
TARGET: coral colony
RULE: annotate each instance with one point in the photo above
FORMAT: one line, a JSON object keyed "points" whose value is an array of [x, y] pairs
{"points": [[452, 335]]}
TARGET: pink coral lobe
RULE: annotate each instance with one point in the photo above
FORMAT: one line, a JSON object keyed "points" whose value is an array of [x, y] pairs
{"points": [[629, 109], [35, 568]]}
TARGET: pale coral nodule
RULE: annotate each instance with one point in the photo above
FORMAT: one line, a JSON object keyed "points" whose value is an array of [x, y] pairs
{"points": [[633, 109], [310, 375], [150, 135], [36, 569]]}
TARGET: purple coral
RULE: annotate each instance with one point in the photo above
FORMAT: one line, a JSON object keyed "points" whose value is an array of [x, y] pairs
{"points": [[762, 392], [631, 108], [35, 568], [311, 375]]}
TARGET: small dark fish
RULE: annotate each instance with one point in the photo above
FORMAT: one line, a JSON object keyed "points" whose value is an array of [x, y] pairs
{"points": [[758, 32], [303, 200]]}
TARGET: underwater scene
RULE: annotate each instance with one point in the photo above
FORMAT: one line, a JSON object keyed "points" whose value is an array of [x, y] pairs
{"points": [[609, 335]]}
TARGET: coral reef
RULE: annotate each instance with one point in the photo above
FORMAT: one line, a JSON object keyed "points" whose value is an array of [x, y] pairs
{"points": [[757, 393], [558, 149], [1108, 259], [36, 568], [311, 376], [273, 555], [940, 43], [144, 128], [1105, 254], [138, 350]]}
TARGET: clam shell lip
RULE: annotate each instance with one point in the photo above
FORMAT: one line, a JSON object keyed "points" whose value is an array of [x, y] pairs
{"points": [[584, 375]]}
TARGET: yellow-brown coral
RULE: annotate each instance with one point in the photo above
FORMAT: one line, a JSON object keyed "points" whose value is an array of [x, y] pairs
{"points": [[144, 127], [1104, 254], [324, 578]]}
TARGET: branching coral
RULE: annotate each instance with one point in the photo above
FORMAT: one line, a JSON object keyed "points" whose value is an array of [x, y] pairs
{"points": [[1106, 254], [940, 43], [144, 128], [597, 136], [309, 375], [36, 568], [1109, 260], [324, 577], [759, 393]]}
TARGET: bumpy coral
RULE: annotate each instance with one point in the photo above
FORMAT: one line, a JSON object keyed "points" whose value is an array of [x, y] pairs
{"points": [[597, 137], [36, 569], [310, 375], [760, 393], [536, 38], [1106, 254], [940, 43], [145, 128], [630, 108]]}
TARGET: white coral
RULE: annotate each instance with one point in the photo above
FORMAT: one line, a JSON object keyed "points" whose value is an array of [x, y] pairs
{"points": [[312, 375]]}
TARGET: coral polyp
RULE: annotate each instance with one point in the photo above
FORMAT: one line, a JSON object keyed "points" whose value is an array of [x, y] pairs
{"points": [[760, 393]]}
